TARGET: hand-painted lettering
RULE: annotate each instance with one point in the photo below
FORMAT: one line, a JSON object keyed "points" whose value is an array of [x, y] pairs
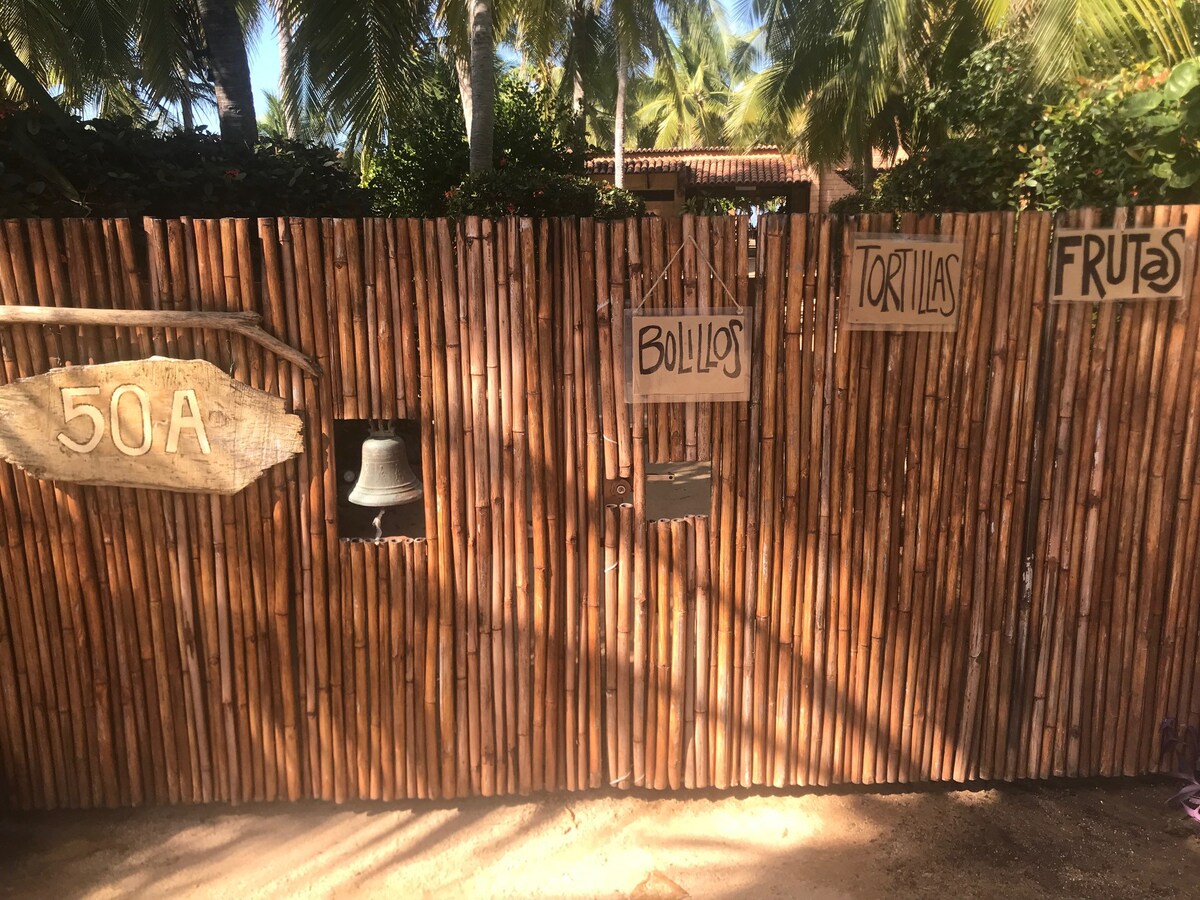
{"points": [[1118, 264]]}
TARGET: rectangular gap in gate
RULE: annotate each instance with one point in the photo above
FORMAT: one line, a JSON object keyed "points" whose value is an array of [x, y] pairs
{"points": [[678, 489]]}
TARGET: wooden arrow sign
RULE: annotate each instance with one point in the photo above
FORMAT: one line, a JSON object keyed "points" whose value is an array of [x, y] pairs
{"points": [[168, 424]]}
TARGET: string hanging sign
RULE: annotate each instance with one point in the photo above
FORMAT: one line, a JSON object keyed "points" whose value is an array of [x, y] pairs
{"points": [[686, 355]]}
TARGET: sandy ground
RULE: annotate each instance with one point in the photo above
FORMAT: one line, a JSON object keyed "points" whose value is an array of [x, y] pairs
{"points": [[1099, 839]]}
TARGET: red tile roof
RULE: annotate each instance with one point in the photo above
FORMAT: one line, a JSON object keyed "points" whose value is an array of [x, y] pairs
{"points": [[712, 165]]}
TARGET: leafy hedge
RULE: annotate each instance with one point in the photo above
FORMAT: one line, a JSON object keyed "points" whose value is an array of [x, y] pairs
{"points": [[991, 142], [1132, 138], [117, 168], [109, 168], [539, 156]]}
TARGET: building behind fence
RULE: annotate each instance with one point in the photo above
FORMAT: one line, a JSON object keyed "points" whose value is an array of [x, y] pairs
{"points": [[923, 557]]}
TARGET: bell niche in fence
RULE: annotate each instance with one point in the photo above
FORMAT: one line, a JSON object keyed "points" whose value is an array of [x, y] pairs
{"points": [[379, 470]]}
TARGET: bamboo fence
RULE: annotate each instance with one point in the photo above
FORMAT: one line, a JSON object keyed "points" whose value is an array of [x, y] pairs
{"points": [[928, 556]]}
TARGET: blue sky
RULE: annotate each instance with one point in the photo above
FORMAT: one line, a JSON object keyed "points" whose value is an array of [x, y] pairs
{"points": [[264, 62]]}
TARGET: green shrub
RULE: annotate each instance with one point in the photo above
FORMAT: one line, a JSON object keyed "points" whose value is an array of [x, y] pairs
{"points": [[411, 175], [524, 191], [989, 142], [1132, 138], [414, 174], [850, 204], [963, 174], [113, 168]]}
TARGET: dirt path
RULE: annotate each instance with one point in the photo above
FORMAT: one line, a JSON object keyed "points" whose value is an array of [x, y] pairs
{"points": [[1099, 839]]}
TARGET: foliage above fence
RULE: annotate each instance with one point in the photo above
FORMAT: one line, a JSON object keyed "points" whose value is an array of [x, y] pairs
{"points": [[117, 168], [109, 168], [995, 140]]}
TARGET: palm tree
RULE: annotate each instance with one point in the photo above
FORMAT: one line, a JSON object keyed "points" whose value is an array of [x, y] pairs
{"points": [[313, 125], [172, 58], [570, 46], [483, 84], [230, 69], [596, 51], [1072, 37], [685, 101], [76, 46], [641, 34], [289, 104], [25, 84], [619, 114], [367, 59], [839, 72], [135, 57], [626, 15]]}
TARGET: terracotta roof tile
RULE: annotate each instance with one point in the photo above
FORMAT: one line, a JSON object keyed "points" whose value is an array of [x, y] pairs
{"points": [[712, 165]]}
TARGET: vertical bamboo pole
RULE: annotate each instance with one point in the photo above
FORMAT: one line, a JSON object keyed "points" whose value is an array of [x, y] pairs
{"points": [[677, 654], [593, 507], [571, 575], [629, 703], [435, 469], [521, 411], [633, 596], [480, 611], [504, 507], [532, 347]]}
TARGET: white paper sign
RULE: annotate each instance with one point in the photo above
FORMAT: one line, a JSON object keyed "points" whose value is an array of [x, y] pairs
{"points": [[904, 282], [1104, 264], [676, 356]]}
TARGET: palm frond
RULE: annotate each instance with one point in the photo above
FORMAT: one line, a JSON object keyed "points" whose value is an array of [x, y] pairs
{"points": [[369, 58]]}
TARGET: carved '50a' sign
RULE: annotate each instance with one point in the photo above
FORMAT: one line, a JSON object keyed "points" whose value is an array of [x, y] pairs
{"points": [[180, 425]]}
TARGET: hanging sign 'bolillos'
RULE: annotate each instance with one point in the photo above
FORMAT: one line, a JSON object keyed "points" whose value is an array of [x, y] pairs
{"points": [[904, 282], [679, 356], [176, 425], [1105, 264], [688, 355]]}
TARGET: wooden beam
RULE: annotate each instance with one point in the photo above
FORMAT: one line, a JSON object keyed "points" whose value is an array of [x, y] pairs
{"points": [[247, 324]]}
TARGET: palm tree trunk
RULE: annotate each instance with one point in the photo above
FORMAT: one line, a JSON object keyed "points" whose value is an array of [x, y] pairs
{"points": [[868, 170], [186, 113], [35, 93], [483, 84], [619, 116], [462, 68], [578, 44], [231, 71], [291, 103], [578, 107]]}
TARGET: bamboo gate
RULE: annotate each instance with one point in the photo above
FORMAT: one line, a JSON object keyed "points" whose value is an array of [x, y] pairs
{"points": [[928, 556]]}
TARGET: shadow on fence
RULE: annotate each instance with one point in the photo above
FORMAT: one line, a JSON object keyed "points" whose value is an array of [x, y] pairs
{"points": [[928, 556]]}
